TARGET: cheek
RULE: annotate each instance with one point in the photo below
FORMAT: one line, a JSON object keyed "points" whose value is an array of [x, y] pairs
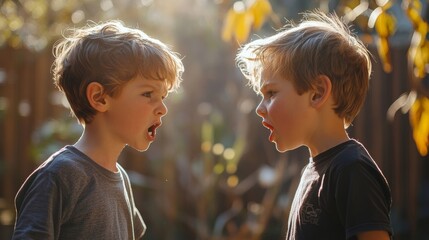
{"points": [[132, 115], [285, 118], [137, 116], [280, 113]]}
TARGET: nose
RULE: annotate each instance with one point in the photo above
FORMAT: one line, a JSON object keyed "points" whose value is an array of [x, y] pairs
{"points": [[261, 109], [162, 109]]}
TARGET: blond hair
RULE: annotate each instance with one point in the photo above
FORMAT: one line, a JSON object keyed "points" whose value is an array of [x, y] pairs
{"points": [[320, 44], [111, 54]]}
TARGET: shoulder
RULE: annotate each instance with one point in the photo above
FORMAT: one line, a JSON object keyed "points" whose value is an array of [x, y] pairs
{"points": [[353, 166], [352, 154], [353, 163], [61, 174], [60, 161], [65, 165]]}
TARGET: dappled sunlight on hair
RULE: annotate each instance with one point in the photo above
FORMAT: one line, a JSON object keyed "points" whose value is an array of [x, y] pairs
{"points": [[319, 45], [110, 54]]}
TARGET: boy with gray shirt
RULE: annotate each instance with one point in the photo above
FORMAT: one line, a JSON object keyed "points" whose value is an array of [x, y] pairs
{"points": [[115, 79]]}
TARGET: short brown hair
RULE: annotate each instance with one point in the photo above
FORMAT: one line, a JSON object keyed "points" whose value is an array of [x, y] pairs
{"points": [[111, 54], [320, 45]]}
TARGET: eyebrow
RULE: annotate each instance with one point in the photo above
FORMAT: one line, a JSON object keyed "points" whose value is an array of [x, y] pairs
{"points": [[154, 86], [142, 85], [265, 85], [147, 84]]}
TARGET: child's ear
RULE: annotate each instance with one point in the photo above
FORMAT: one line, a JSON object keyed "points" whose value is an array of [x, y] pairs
{"points": [[96, 96], [321, 91]]}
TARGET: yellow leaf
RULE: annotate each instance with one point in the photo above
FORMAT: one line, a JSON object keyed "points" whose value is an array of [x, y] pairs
{"points": [[422, 28], [384, 53], [420, 61], [419, 119], [237, 24], [414, 16], [228, 25], [242, 26], [260, 9], [425, 52], [385, 24]]}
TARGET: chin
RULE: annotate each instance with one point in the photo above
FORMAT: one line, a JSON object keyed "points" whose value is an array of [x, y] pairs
{"points": [[281, 148], [142, 148]]}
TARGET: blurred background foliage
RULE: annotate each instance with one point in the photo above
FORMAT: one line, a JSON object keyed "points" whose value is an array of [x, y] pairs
{"points": [[211, 174]]}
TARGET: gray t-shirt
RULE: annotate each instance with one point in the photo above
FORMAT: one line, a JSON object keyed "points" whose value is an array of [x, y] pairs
{"points": [[71, 197]]}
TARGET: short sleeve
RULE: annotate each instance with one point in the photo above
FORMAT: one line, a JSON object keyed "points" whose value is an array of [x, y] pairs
{"points": [[38, 208], [362, 198]]}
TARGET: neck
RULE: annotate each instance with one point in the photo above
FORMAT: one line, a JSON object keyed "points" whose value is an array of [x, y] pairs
{"points": [[98, 149], [330, 134], [328, 144]]}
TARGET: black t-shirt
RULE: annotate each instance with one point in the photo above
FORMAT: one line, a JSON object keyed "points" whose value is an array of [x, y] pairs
{"points": [[342, 192]]}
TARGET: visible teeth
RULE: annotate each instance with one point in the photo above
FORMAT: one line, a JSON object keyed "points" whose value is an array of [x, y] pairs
{"points": [[151, 131]]}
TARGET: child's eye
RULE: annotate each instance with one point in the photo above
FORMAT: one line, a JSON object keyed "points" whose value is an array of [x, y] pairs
{"points": [[269, 94], [147, 94]]}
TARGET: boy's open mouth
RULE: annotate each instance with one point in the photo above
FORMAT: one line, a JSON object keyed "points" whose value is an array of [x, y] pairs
{"points": [[152, 129], [267, 125], [271, 128]]}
